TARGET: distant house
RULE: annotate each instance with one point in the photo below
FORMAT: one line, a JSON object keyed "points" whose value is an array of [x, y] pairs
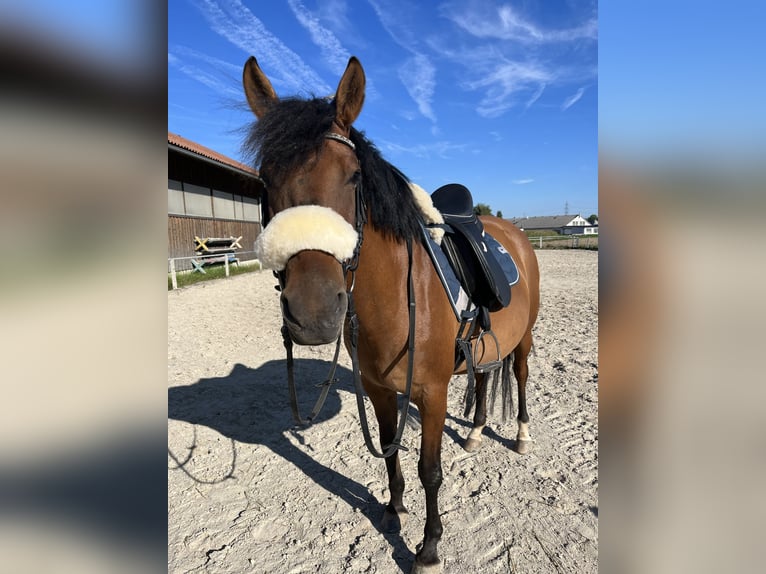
{"points": [[564, 224]]}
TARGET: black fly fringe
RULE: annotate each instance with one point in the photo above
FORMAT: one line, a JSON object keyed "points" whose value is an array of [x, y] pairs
{"points": [[506, 391], [504, 383], [493, 390]]}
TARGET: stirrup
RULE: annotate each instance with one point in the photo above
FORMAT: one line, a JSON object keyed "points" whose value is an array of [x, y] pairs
{"points": [[487, 366]]}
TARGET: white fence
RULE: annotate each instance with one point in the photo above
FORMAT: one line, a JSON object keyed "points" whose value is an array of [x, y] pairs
{"points": [[567, 241], [562, 241], [199, 261]]}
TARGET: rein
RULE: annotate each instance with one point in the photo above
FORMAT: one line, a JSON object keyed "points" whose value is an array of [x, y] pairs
{"points": [[352, 319]]}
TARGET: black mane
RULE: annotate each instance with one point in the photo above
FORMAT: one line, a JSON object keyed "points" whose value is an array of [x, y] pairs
{"points": [[293, 130]]}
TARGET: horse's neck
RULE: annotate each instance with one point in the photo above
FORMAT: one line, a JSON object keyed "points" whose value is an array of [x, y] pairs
{"points": [[382, 272]]}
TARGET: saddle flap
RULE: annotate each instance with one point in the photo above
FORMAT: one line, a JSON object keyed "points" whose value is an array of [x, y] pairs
{"points": [[464, 244], [486, 282]]}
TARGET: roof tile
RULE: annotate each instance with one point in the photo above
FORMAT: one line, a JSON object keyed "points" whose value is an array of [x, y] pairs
{"points": [[191, 146]]}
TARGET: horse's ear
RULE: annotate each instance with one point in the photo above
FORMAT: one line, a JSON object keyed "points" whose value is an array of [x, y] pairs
{"points": [[258, 88], [350, 95]]}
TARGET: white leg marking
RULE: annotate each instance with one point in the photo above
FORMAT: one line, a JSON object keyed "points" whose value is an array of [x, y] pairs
{"points": [[523, 433], [475, 433]]}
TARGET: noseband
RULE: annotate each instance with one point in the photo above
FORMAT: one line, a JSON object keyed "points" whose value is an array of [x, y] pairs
{"points": [[350, 266]]}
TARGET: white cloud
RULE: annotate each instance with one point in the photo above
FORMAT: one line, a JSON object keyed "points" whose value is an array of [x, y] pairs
{"points": [[506, 80], [509, 58], [524, 181], [330, 47], [486, 20], [441, 149], [236, 23], [211, 79], [535, 96], [573, 99], [217, 63], [397, 18], [418, 75]]}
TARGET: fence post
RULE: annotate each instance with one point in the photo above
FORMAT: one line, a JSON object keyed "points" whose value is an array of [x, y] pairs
{"points": [[226, 263], [173, 279], [541, 242]]}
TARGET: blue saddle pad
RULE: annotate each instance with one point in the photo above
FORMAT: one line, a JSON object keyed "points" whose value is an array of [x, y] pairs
{"points": [[455, 292]]}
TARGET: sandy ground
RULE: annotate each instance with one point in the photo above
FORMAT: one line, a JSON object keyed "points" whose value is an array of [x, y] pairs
{"points": [[254, 495]]}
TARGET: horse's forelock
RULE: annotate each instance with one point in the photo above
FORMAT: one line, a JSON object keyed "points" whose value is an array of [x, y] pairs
{"points": [[293, 129], [289, 133]]}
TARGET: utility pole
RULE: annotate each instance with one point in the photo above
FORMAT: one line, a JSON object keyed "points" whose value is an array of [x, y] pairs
{"points": [[566, 208]]}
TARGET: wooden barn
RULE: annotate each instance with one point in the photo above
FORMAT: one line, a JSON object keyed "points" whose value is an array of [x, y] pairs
{"points": [[209, 196]]}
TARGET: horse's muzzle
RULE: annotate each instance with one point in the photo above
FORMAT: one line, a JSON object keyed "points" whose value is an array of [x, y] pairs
{"points": [[314, 300], [317, 321]]}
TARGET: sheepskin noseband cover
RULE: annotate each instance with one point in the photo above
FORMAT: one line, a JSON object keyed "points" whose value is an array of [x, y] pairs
{"points": [[306, 227]]}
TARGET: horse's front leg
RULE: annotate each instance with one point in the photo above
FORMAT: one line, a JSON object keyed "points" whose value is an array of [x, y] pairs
{"points": [[385, 403], [433, 410]]}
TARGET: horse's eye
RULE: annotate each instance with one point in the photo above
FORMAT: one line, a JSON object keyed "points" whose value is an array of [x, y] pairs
{"points": [[354, 180]]}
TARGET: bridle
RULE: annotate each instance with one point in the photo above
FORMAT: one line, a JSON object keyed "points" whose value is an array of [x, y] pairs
{"points": [[352, 322]]}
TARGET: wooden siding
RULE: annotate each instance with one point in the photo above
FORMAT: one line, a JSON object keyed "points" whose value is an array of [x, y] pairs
{"points": [[182, 229]]}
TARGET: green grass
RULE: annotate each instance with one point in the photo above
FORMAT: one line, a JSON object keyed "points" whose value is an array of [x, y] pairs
{"points": [[187, 278], [587, 242], [541, 233]]}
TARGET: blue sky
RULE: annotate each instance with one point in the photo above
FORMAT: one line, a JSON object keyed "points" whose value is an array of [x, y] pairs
{"points": [[499, 96], [683, 81]]}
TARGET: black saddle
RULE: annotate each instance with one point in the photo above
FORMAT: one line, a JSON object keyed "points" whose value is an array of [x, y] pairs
{"points": [[475, 265]]}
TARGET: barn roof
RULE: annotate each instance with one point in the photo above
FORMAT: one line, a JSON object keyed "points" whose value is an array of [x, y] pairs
{"points": [[181, 142]]}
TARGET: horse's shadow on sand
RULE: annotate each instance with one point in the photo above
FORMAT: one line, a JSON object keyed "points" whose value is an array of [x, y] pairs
{"points": [[252, 406]]}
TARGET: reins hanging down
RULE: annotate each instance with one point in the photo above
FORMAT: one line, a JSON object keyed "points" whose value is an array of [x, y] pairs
{"points": [[353, 322], [291, 381], [353, 330]]}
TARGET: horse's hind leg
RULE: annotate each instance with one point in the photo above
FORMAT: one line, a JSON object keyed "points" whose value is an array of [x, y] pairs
{"points": [[520, 371], [385, 403], [473, 442]]}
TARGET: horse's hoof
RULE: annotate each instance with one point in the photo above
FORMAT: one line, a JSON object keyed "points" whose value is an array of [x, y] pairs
{"points": [[418, 568], [471, 445], [523, 446], [393, 521]]}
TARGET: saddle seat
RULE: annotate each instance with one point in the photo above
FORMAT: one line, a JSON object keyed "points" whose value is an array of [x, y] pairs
{"points": [[474, 263]]}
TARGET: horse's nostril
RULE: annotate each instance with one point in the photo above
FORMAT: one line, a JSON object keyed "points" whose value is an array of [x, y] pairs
{"points": [[286, 313]]}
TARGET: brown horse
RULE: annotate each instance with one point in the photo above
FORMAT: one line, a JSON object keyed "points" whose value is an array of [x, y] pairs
{"points": [[330, 199]]}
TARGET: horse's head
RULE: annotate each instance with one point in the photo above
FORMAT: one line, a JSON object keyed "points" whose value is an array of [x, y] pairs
{"points": [[311, 176]]}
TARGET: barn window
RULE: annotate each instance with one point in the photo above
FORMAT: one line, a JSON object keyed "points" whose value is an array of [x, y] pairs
{"points": [[251, 209], [198, 200], [223, 205], [175, 197], [238, 207]]}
